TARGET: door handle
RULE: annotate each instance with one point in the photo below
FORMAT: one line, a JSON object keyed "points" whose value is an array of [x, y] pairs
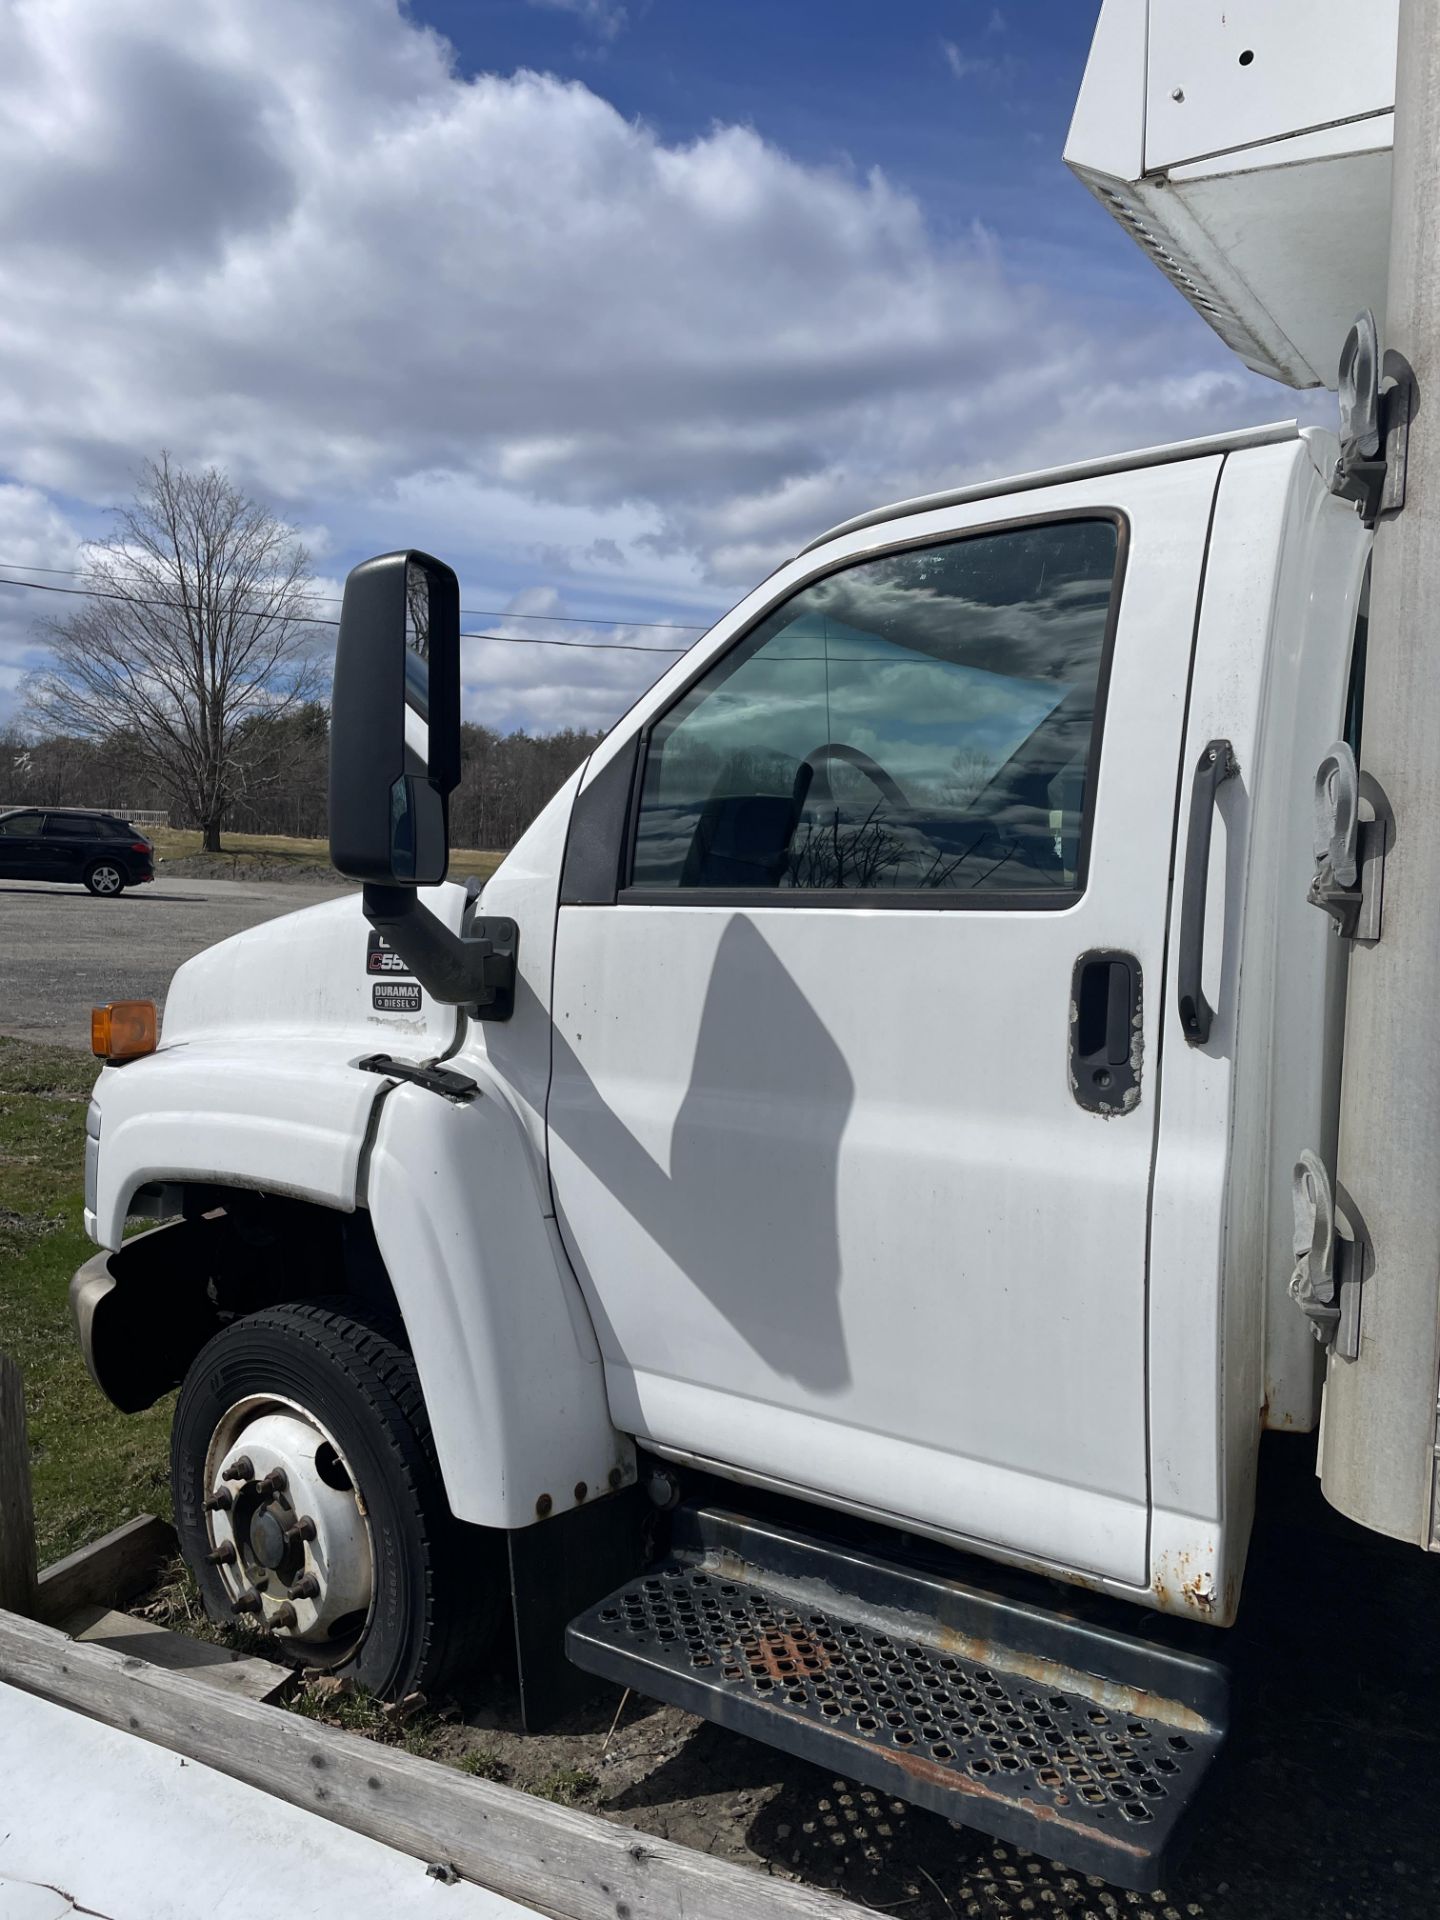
{"points": [[1215, 766], [1105, 1032]]}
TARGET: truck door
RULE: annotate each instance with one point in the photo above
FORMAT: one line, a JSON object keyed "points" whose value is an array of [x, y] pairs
{"points": [[853, 1099]]}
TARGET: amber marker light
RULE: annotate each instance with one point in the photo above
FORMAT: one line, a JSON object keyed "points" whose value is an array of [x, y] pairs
{"points": [[122, 1031]]}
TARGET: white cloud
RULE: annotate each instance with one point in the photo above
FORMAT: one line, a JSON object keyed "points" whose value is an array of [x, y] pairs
{"points": [[494, 317], [33, 533], [601, 16], [965, 66]]}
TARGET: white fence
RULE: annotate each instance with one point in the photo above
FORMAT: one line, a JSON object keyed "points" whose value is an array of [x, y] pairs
{"points": [[137, 816]]}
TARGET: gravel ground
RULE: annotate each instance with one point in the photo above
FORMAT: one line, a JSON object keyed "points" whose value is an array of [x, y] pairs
{"points": [[63, 951]]}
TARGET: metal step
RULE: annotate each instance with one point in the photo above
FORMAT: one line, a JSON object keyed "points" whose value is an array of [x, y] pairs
{"points": [[1085, 1744]]}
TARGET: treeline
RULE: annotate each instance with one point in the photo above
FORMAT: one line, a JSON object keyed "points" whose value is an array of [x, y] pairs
{"points": [[280, 777]]}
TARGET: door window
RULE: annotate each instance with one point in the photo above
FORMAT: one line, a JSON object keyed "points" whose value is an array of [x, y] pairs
{"points": [[922, 724], [70, 826], [21, 826]]}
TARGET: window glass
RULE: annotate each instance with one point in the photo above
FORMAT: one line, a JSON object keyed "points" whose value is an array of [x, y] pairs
{"points": [[21, 826], [70, 826], [918, 723]]}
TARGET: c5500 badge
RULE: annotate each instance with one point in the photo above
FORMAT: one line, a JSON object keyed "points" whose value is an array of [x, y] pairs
{"points": [[381, 957]]}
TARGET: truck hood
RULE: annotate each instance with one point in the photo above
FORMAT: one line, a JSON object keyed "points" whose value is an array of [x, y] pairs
{"points": [[319, 973]]}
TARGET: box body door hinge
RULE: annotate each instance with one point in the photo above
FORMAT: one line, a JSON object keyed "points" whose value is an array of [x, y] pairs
{"points": [[1377, 393], [1331, 1258], [1350, 836]]}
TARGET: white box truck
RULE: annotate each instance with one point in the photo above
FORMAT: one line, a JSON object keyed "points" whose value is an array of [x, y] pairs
{"points": [[820, 1237]]}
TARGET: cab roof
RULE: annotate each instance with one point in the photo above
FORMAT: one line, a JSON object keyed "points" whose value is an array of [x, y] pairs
{"points": [[1079, 470]]}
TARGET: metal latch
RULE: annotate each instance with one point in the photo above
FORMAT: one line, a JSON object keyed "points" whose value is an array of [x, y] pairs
{"points": [[1330, 1259], [1348, 883], [1374, 422], [434, 1079]]}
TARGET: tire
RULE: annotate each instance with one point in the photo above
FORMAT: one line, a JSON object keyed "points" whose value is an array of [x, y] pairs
{"points": [[106, 878], [335, 1402]]}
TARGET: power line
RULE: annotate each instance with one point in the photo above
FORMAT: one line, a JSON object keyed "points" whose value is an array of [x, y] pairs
{"points": [[515, 639], [475, 613]]}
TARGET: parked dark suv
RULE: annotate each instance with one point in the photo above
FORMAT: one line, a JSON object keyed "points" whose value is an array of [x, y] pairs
{"points": [[94, 849]]}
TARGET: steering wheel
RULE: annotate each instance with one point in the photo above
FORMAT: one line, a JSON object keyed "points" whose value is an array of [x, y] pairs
{"points": [[812, 777], [812, 783]]}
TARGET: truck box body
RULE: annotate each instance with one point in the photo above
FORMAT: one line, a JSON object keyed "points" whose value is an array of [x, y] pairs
{"points": [[1246, 147]]}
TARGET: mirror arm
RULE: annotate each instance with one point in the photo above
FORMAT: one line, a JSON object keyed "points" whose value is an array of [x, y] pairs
{"points": [[475, 969]]}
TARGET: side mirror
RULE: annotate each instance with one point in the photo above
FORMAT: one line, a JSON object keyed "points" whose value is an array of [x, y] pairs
{"points": [[394, 761], [395, 721]]}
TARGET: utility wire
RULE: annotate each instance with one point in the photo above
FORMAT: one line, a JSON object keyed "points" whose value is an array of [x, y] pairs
{"points": [[475, 613], [517, 639]]}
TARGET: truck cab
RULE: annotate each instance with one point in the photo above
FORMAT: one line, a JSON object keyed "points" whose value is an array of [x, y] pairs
{"points": [[872, 1088]]}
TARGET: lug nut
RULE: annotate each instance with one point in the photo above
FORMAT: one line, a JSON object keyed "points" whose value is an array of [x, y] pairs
{"points": [[274, 1481], [223, 1554], [307, 1587], [247, 1602], [220, 1502], [242, 1467], [301, 1529], [284, 1615]]}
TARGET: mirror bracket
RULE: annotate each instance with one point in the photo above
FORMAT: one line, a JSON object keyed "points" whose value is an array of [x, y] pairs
{"points": [[474, 969]]}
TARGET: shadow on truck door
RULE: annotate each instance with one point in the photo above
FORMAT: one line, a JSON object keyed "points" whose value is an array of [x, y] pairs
{"points": [[745, 1200]]}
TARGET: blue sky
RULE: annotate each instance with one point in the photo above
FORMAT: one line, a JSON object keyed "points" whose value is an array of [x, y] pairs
{"points": [[614, 305], [965, 103]]}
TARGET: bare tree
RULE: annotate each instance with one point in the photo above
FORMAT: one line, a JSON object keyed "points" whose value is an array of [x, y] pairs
{"points": [[199, 625]]}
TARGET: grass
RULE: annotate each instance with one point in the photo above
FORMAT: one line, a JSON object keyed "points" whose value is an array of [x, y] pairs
{"points": [[567, 1786], [273, 855], [92, 1467]]}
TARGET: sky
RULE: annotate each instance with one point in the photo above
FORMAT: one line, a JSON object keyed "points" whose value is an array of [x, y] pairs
{"points": [[613, 306]]}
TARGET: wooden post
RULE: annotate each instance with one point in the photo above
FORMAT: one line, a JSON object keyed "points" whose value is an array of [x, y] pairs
{"points": [[17, 1515]]}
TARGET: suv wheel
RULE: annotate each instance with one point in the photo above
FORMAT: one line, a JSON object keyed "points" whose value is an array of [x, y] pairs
{"points": [[103, 876], [309, 1502]]}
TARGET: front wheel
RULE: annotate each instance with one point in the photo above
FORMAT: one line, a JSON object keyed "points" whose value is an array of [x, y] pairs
{"points": [[308, 1500], [104, 877]]}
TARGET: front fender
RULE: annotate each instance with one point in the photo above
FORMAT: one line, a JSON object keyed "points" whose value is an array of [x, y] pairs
{"points": [[287, 1118], [502, 1339]]}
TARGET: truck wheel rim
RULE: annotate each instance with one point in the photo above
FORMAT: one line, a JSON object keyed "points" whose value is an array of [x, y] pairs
{"points": [[288, 1522], [107, 880]]}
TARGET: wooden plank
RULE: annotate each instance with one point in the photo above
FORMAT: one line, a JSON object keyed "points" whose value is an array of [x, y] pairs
{"points": [[241, 1673], [109, 1571], [565, 1862], [17, 1516]]}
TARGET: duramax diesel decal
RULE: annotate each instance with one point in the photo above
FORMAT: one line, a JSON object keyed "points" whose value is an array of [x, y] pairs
{"points": [[395, 996]]}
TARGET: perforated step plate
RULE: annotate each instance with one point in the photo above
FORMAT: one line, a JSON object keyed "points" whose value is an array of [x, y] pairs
{"points": [[1084, 1744]]}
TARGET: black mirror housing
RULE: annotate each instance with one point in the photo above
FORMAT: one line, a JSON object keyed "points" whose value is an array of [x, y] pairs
{"points": [[395, 721], [394, 762]]}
